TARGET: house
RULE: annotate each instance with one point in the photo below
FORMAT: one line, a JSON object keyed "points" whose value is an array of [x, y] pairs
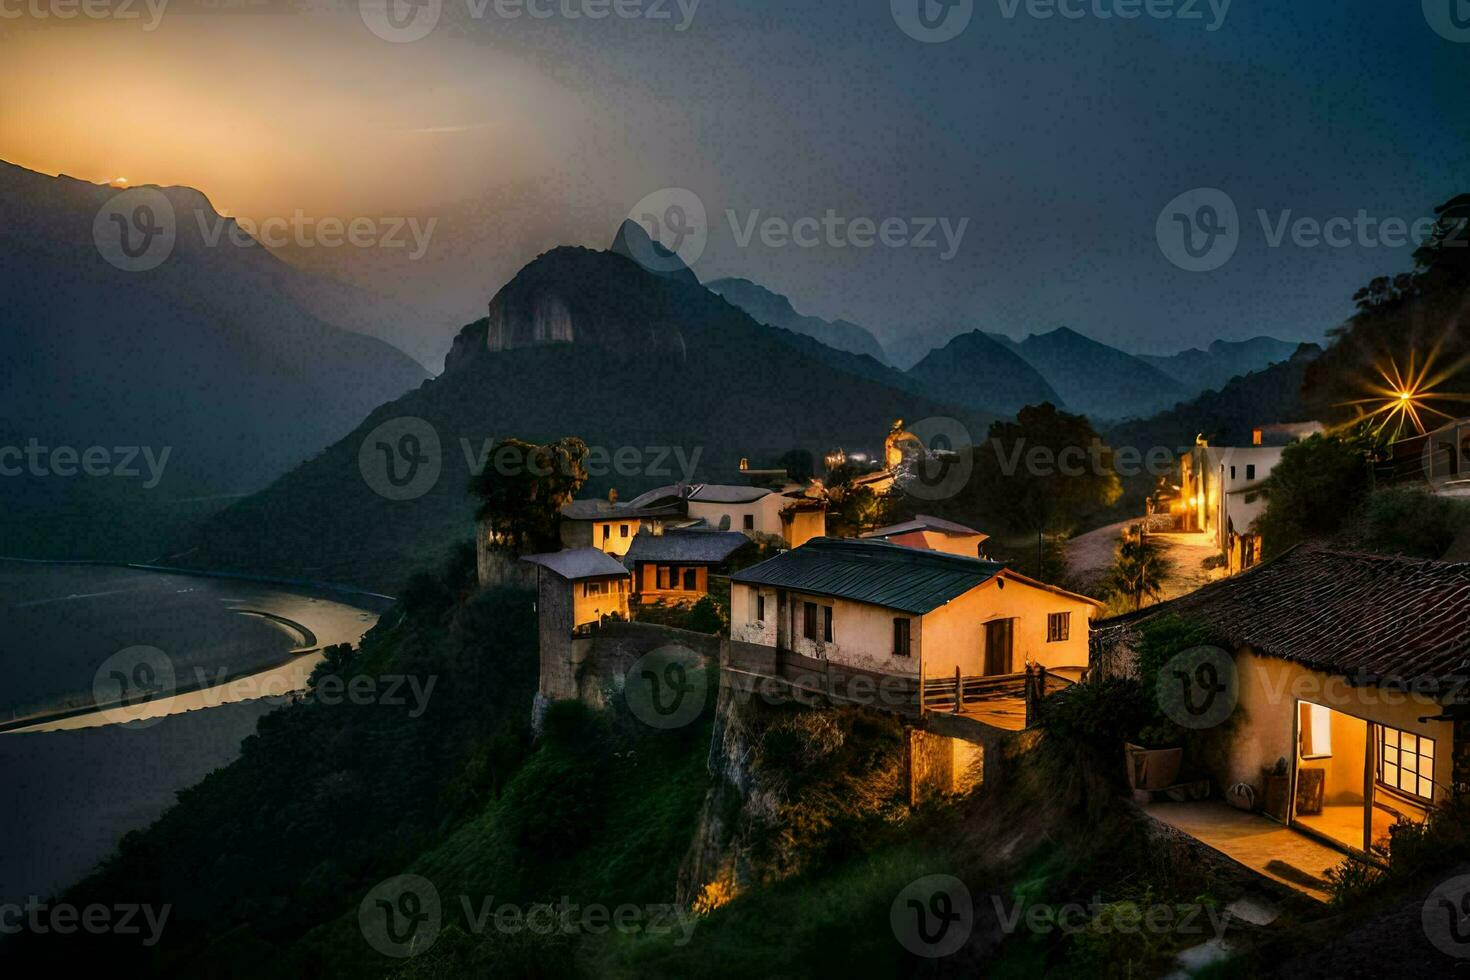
{"points": [[1349, 667], [609, 525], [933, 533], [874, 606], [579, 587], [1222, 492], [675, 565]]}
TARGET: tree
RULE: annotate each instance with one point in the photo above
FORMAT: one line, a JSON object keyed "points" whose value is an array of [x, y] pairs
{"points": [[1313, 490], [523, 488], [1043, 472], [799, 465], [1138, 570]]}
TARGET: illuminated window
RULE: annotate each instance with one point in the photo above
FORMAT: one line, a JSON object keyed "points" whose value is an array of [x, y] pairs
{"points": [[1406, 762], [1315, 731], [1058, 627]]}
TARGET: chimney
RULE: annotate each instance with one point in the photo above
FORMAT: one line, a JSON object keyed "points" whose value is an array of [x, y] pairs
{"points": [[612, 495]]}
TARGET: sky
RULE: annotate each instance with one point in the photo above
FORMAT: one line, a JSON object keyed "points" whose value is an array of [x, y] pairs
{"points": [[1028, 170]]}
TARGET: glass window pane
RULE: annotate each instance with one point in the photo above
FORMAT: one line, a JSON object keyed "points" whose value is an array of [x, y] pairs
{"points": [[1426, 748], [1391, 774], [1426, 789], [1391, 755]]}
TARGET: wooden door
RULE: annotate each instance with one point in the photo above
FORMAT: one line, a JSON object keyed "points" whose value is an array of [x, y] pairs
{"points": [[998, 638]]}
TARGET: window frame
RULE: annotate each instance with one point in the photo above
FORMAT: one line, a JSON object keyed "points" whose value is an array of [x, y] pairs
{"points": [[1380, 771], [903, 636], [826, 624], [1063, 620], [809, 621]]}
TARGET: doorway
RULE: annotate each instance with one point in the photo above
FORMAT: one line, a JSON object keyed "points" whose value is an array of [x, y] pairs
{"points": [[1333, 775], [999, 638]]}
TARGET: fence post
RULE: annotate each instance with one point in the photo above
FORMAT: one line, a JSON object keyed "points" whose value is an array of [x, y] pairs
{"points": [[959, 690]]}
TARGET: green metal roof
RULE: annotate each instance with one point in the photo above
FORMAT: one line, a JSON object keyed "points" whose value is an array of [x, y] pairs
{"points": [[911, 580]]}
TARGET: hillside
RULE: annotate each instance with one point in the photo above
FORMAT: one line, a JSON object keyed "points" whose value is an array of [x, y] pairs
{"points": [[974, 370], [775, 310], [1099, 381], [580, 343], [210, 356], [1211, 369]]}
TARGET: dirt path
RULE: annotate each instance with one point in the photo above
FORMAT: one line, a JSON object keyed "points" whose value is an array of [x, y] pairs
{"points": [[1090, 555]]}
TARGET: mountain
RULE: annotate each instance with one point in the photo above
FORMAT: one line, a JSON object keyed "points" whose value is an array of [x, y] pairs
{"points": [[1226, 417], [633, 242], [1209, 370], [210, 356], [663, 379], [975, 370], [775, 310], [1099, 381], [909, 348]]}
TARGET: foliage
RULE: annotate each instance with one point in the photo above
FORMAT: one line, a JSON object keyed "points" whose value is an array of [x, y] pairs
{"points": [[1046, 471], [1412, 318], [1416, 849], [1138, 571], [703, 616], [1103, 714], [523, 488], [1409, 520], [799, 465], [1312, 491]]}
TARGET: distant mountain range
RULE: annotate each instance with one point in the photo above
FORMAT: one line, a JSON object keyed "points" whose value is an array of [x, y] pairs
{"points": [[582, 343], [776, 310], [1212, 369], [1094, 379], [975, 369], [221, 355]]}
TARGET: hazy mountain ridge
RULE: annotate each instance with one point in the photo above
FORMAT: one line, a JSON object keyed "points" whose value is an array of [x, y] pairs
{"points": [[775, 310], [1099, 381], [209, 355], [1213, 368], [974, 369], [740, 389]]}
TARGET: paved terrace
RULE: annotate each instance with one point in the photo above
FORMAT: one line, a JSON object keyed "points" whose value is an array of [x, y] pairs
{"points": [[991, 707]]}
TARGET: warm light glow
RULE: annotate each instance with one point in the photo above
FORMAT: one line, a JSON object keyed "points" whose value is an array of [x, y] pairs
{"points": [[1404, 401]]}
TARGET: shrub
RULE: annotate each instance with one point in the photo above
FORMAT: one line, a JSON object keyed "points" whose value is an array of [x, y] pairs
{"points": [[1409, 520]]}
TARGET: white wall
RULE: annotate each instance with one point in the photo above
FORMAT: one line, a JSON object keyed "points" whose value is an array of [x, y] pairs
{"points": [[766, 511]]}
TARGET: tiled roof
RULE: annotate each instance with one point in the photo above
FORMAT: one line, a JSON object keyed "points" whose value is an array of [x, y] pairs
{"points": [[578, 563], [711, 493], [924, 522], [693, 544], [1341, 612], [868, 570], [603, 510]]}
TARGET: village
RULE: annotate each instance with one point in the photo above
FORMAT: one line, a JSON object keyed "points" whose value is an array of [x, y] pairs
{"points": [[1322, 703]]}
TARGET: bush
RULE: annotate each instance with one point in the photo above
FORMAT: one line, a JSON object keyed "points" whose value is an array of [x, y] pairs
{"points": [[1312, 491], [1409, 520]]}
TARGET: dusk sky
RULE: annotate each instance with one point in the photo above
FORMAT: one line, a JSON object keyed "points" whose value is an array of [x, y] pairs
{"points": [[1055, 141]]}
